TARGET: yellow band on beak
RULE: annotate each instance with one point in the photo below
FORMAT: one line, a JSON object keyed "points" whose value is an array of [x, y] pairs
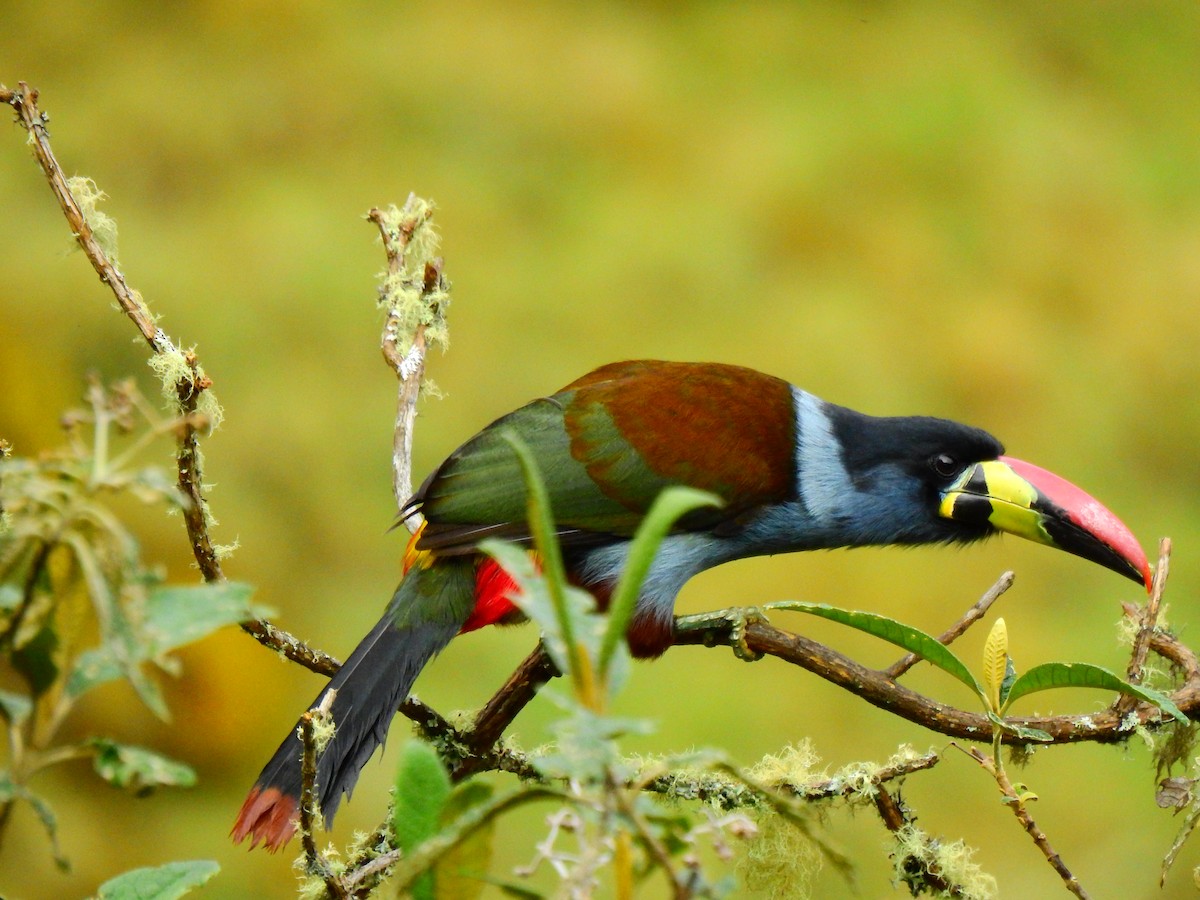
{"points": [[991, 491]]}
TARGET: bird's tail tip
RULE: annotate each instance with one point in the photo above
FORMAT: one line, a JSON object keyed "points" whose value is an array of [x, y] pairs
{"points": [[268, 817]]}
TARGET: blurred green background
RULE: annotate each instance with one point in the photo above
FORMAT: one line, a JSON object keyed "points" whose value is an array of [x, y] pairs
{"points": [[982, 211]]}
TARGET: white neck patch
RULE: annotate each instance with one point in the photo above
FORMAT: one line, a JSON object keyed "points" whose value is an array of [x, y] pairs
{"points": [[823, 480]]}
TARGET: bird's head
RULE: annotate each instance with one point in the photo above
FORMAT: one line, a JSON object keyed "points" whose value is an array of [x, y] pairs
{"points": [[937, 480]]}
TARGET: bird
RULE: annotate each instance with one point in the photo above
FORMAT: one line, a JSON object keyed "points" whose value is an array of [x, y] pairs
{"points": [[793, 472]]}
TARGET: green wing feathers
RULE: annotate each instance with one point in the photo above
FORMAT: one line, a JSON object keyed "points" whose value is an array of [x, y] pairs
{"points": [[609, 443]]}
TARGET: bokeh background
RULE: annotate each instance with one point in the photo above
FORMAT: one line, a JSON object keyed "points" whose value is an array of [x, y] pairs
{"points": [[982, 211]]}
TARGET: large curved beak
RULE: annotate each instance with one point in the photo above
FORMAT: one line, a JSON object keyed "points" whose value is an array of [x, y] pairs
{"points": [[1026, 500]]}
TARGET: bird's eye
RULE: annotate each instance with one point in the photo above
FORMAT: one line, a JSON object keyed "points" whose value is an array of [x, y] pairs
{"points": [[943, 464]]}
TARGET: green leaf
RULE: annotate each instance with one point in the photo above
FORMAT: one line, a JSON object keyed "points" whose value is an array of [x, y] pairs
{"points": [[459, 874], [180, 614], [535, 601], [422, 789], [94, 667], [137, 769], [586, 746], [117, 630], [1057, 675], [911, 639], [995, 663], [667, 508], [541, 527], [164, 882], [174, 616], [1024, 732], [1010, 675]]}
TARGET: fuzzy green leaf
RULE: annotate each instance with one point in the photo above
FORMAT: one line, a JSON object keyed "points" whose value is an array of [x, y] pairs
{"points": [[175, 615], [534, 600], [911, 639], [554, 575], [422, 789], [180, 614], [1058, 675], [165, 882], [118, 631], [541, 527], [459, 874], [586, 746], [137, 769]]}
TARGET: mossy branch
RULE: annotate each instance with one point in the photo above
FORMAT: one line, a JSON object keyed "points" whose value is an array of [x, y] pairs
{"points": [[184, 382], [879, 688], [415, 296]]}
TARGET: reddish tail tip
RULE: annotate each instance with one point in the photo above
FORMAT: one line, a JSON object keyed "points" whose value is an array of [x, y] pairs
{"points": [[268, 817]]}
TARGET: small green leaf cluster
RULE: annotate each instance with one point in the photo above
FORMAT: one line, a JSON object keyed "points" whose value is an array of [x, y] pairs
{"points": [[78, 606]]}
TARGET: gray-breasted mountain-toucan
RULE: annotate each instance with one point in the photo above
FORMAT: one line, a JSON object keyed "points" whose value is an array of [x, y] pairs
{"points": [[794, 472]]}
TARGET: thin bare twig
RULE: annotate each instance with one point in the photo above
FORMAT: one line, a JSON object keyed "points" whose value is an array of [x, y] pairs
{"points": [[33, 120], [959, 628], [1149, 614], [1014, 801], [292, 647], [522, 686]]}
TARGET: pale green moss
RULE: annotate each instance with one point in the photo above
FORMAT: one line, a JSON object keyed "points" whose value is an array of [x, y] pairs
{"points": [[170, 365], [402, 293], [917, 853], [781, 862], [223, 551], [794, 765], [322, 731], [312, 886], [104, 226]]}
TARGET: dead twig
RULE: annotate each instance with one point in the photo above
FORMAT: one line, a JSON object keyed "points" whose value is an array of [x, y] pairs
{"points": [[1015, 801], [959, 628], [1149, 613], [522, 686]]}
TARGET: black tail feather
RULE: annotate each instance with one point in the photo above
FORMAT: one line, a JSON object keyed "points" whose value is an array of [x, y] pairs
{"points": [[370, 687]]}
